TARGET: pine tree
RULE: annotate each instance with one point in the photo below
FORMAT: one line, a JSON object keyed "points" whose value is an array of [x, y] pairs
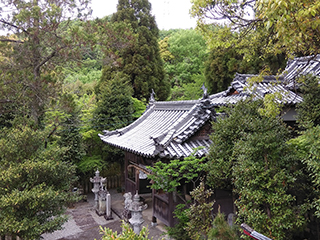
{"points": [[142, 61], [34, 183]]}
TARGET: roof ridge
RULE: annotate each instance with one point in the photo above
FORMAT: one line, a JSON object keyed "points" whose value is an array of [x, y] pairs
{"points": [[164, 139]]}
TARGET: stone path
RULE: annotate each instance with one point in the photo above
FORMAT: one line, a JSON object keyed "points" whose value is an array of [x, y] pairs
{"points": [[83, 223]]}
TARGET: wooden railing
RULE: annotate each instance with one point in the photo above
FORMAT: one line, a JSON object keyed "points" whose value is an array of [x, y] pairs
{"points": [[111, 183]]}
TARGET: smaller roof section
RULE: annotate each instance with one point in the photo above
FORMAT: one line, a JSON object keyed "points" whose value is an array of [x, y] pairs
{"points": [[302, 66], [241, 88], [165, 130]]}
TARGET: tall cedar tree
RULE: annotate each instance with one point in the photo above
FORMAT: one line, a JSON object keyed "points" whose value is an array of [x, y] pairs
{"points": [[142, 62], [70, 136]]}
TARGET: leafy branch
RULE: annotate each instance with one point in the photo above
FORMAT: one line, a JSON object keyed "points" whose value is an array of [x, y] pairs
{"points": [[168, 176]]}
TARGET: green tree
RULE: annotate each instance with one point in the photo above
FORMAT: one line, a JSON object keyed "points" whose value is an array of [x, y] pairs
{"points": [[251, 157], [69, 135], [220, 67], [141, 62], [35, 184], [188, 49], [288, 27], [114, 108], [188, 91], [194, 220], [200, 213], [166, 55], [168, 175], [178, 231], [224, 62], [166, 33], [309, 109], [38, 44], [114, 103], [307, 147]]}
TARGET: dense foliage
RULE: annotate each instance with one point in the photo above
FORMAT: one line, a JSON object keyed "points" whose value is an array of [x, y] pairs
{"points": [[184, 52], [168, 175], [188, 50], [251, 157], [35, 183], [221, 229], [41, 40], [307, 144], [288, 27], [200, 213], [51, 111], [309, 109], [114, 103], [223, 63]]}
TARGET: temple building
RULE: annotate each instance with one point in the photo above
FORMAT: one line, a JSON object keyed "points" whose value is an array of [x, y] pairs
{"points": [[173, 129]]}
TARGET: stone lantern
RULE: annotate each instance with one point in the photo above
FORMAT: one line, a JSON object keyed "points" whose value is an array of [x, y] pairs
{"points": [[97, 181], [136, 208]]}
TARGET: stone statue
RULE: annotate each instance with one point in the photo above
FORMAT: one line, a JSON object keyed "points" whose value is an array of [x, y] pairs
{"points": [[126, 214]]}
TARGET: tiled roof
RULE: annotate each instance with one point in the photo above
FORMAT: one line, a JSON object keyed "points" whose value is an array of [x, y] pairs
{"points": [[164, 130], [302, 66], [240, 89]]}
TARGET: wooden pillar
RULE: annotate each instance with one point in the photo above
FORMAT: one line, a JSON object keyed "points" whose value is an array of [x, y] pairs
{"points": [[154, 219], [137, 180], [171, 209], [126, 172]]}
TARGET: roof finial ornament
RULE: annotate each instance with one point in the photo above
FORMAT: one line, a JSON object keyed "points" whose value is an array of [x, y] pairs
{"points": [[205, 92], [151, 100]]}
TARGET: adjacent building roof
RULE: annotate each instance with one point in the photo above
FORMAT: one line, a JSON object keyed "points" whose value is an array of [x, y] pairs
{"points": [[301, 66], [241, 88], [164, 130]]}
